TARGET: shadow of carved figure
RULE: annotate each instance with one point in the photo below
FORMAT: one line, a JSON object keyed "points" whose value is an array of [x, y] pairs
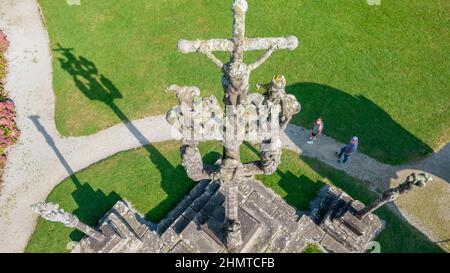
{"points": [[87, 78]]}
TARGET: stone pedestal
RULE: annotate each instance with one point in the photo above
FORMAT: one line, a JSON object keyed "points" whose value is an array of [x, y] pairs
{"points": [[196, 224], [124, 230], [336, 215], [268, 224]]}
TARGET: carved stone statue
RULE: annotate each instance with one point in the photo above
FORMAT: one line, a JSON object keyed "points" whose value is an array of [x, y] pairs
{"points": [[270, 155], [250, 117], [412, 181], [276, 93], [52, 212]]}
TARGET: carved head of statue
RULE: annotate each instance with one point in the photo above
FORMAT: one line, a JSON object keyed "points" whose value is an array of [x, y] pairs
{"points": [[422, 179], [239, 75], [279, 82]]}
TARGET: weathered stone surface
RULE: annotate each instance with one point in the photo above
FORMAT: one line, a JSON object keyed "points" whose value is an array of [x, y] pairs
{"points": [[279, 243], [170, 238], [310, 230], [261, 202], [287, 222], [263, 228], [339, 219], [122, 231], [182, 247], [151, 243], [296, 243], [331, 245], [281, 205], [198, 240]]}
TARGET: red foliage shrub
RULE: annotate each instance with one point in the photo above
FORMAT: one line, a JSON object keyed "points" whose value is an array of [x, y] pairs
{"points": [[9, 133]]}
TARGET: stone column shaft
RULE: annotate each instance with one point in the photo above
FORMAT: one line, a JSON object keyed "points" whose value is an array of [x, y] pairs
{"points": [[234, 237], [239, 10], [412, 181]]}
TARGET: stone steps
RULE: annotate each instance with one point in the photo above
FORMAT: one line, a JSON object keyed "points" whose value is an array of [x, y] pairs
{"points": [[192, 209], [125, 231], [202, 202], [198, 190]]}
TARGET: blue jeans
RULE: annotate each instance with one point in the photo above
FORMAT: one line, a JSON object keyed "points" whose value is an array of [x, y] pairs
{"points": [[342, 153]]}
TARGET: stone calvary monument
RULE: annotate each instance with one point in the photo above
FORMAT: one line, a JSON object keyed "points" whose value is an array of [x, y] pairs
{"points": [[229, 210], [251, 117]]}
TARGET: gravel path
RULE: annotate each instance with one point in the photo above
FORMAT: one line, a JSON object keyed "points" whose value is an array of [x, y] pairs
{"points": [[43, 158]]}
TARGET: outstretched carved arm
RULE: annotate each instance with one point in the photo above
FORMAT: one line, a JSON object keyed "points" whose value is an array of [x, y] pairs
{"points": [[264, 86], [263, 58], [210, 55]]}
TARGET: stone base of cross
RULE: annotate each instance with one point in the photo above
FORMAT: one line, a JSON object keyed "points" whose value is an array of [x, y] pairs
{"points": [[252, 117]]}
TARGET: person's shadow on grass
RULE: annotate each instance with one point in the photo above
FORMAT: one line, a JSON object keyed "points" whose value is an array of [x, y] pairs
{"points": [[97, 86]]}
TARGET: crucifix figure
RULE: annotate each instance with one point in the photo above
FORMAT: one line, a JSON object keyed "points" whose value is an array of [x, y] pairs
{"points": [[236, 73], [228, 126]]}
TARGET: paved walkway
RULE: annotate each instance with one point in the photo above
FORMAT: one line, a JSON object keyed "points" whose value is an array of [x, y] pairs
{"points": [[43, 158], [361, 166]]}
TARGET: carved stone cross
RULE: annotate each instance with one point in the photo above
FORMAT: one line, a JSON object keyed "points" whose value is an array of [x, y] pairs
{"points": [[236, 73], [235, 82]]}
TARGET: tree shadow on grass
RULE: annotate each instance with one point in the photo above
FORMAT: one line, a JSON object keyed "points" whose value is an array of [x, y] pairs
{"points": [[345, 115], [96, 86]]}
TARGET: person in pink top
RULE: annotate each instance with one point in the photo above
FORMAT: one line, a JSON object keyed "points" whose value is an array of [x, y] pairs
{"points": [[316, 131]]}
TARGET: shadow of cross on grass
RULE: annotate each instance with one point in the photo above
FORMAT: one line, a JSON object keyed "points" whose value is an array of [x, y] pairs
{"points": [[92, 204], [97, 86], [300, 190], [297, 190]]}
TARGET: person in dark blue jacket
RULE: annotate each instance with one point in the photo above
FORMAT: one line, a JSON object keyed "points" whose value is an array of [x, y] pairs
{"points": [[347, 150]]}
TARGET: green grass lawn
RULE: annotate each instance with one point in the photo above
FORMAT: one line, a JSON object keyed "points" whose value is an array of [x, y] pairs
{"points": [[379, 72], [152, 179]]}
